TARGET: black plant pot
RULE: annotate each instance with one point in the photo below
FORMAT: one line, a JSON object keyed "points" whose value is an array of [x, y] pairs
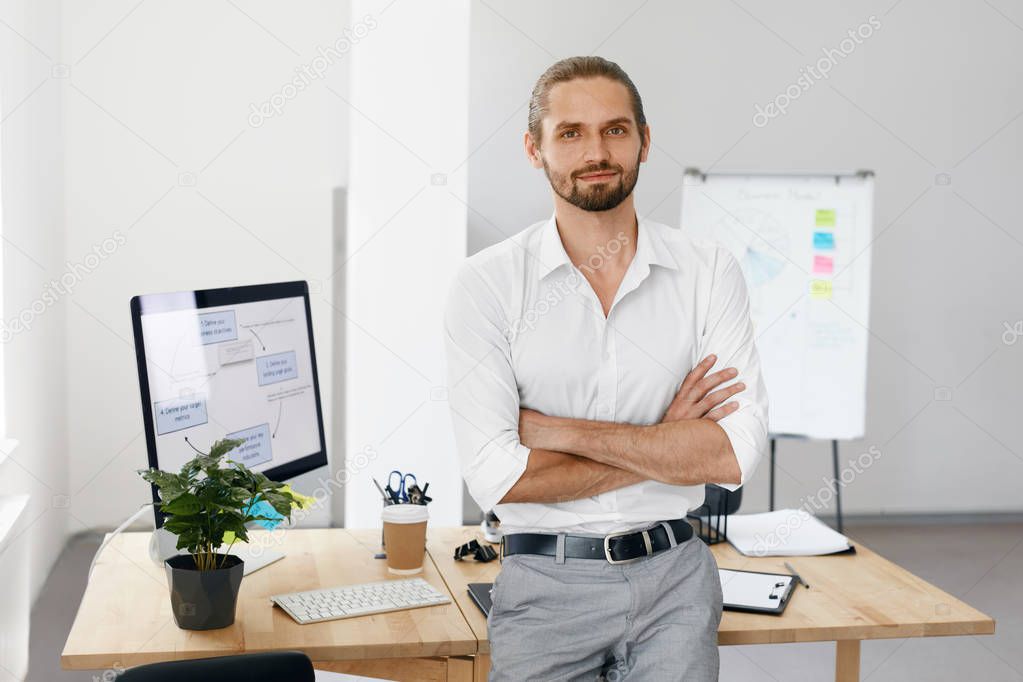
{"points": [[204, 600]]}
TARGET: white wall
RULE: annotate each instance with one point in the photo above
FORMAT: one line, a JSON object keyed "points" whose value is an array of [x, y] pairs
{"points": [[31, 185], [32, 233], [936, 89], [406, 237], [162, 147]]}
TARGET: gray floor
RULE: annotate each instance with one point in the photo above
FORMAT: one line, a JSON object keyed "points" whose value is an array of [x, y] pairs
{"points": [[979, 563]]}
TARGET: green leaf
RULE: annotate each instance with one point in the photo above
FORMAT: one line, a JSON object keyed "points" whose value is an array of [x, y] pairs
{"points": [[222, 447], [171, 483], [186, 523], [234, 522], [186, 503], [281, 502]]}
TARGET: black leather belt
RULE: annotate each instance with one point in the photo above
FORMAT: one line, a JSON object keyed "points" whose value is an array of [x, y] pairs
{"points": [[616, 548]]}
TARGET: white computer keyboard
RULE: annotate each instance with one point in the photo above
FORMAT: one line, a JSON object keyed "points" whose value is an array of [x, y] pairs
{"points": [[348, 601]]}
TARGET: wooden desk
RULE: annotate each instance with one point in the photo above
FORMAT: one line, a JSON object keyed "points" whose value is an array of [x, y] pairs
{"points": [[125, 618], [853, 597]]}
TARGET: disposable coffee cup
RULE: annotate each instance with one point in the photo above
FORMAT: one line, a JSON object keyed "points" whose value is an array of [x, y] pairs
{"points": [[405, 537]]}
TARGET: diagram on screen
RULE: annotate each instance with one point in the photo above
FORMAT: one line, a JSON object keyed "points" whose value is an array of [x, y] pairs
{"points": [[242, 372]]}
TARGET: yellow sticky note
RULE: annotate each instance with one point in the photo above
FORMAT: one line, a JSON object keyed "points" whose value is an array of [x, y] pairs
{"points": [[825, 217], [820, 289], [304, 501]]}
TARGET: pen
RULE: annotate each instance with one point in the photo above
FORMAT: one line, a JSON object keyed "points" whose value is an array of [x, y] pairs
{"points": [[387, 500], [797, 576]]}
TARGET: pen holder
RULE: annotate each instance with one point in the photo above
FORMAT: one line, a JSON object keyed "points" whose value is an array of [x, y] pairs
{"points": [[711, 518]]}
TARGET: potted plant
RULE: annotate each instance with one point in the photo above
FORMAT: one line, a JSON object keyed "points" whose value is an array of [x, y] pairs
{"points": [[202, 503]]}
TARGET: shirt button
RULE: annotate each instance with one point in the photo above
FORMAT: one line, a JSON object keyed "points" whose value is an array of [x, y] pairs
{"points": [[607, 355], [603, 409]]}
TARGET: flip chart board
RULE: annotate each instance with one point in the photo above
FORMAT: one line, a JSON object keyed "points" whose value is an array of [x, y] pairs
{"points": [[803, 242]]}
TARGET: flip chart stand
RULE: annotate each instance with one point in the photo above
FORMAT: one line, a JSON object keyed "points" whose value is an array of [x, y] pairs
{"points": [[837, 480]]}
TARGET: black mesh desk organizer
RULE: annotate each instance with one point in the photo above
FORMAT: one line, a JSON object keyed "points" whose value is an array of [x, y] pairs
{"points": [[710, 520]]}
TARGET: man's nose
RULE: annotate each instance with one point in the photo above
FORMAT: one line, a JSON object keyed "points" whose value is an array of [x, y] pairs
{"points": [[596, 151]]}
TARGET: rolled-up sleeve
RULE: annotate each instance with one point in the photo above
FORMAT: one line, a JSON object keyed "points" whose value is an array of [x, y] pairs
{"points": [[729, 335], [482, 392]]}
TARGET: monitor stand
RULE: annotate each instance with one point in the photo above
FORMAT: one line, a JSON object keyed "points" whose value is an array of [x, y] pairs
{"points": [[163, 545]]}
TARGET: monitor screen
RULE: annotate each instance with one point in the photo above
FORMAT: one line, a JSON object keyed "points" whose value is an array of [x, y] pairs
{"points": [[230, 363]]}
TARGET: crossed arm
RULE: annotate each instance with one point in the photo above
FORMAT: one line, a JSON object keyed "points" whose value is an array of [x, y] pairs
{"points": [[559, 477], [574, 458]]}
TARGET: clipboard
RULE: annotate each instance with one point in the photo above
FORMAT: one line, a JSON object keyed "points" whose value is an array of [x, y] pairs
{"points": [[756, 591]]}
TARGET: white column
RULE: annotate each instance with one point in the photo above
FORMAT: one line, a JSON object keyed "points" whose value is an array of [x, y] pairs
{"points": [[406, 236]]}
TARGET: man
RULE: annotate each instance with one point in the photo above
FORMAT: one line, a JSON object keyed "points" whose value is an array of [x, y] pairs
{"points": [[566, 346]]}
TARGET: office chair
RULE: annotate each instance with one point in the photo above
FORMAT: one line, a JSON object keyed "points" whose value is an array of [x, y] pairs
{"points": [[293, 666]]}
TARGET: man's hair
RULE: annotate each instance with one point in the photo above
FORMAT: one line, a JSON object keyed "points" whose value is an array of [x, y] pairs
{"points": [[571, 69]]}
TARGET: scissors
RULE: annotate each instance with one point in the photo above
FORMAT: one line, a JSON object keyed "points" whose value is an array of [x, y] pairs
{"points": [[399, 494]]}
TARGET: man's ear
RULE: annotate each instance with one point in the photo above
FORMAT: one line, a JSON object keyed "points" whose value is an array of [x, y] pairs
{"points": [[645, 149], [532, 151]]}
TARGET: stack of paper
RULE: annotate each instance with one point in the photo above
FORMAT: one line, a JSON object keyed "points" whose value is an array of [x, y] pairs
{"points": [[786, 532]]}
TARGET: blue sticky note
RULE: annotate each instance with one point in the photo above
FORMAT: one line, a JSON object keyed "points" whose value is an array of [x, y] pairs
{"points": [[264, 508], [824, 240]]}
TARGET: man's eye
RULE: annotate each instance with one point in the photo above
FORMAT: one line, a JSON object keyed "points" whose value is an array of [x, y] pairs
{"points": [[569, 132], [621, 131]]}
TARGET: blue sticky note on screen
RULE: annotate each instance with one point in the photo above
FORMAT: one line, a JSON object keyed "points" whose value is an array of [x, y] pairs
{"points": [[824, 240], [264, 508]]}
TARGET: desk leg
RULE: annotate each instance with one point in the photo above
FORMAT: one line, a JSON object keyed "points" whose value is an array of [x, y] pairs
{"points": [[460, 669], [481, 668], [847, 660]]}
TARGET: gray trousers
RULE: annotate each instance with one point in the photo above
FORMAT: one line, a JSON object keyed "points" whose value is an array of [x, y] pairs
{"points": [[586, 619]]}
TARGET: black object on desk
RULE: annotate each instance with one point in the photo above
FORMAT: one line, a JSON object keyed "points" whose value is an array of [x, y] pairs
{"points": [[481, 553], [710, 519], [480, 594]]}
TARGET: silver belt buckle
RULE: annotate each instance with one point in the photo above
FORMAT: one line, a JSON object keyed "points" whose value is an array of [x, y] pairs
{"points": [[607, 546]]}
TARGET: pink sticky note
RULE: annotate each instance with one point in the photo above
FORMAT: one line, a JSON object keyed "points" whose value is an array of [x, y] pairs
{"points": [[823, 265]]}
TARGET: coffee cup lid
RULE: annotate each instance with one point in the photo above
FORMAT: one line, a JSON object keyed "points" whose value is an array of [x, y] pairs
{"points": [[405, 513]]}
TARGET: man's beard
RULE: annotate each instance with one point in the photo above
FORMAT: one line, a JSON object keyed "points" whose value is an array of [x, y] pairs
{"points": [[599, 196]]}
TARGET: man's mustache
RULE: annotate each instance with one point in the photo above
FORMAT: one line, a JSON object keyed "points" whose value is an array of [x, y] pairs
{"points": [[597, 169]]}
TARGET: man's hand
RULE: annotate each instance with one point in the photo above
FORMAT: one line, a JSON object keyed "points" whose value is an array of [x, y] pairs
{"points": [[694, 399]]}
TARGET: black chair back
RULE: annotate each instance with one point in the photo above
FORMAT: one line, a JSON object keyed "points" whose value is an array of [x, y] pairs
{"points": [[278, 666]]}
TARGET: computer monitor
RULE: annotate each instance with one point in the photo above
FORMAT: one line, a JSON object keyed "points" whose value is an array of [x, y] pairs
{"points": [[237, 362]]}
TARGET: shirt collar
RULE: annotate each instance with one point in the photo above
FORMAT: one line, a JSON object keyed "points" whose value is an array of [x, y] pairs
{"points": [[650, 248]]}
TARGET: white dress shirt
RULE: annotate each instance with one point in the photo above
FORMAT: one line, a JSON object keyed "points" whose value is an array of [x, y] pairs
{"points": [[524, 328]]}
